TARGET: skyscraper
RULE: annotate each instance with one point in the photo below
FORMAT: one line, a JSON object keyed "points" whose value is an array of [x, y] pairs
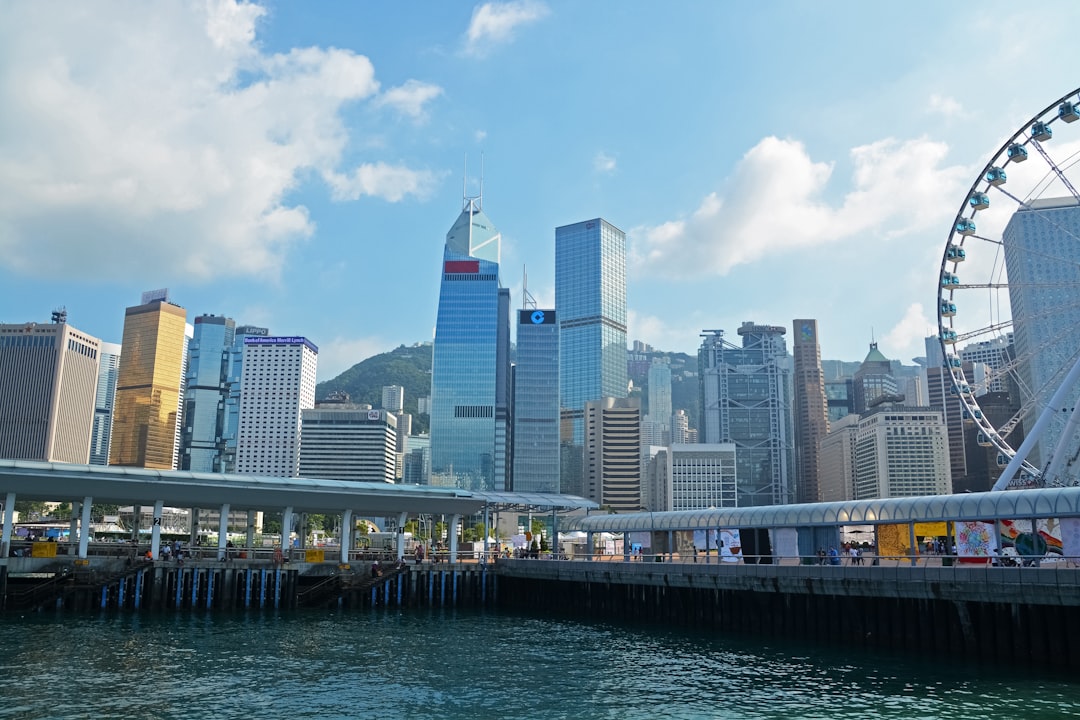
{"points": [[149, 382], [746, 400], [613, 453], [536, 407], [873, 380], [101, 434], [470, 373], [278, 383], [657, 423], [205, 394], [343, 441], [48, 379], [701, 476], [590, 296], [1041, 261], [811, 408], [233, 377], [901, 452], [393, 398]]}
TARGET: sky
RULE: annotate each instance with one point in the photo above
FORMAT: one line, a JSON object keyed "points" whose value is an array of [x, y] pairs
{"points": [[297, 165]]}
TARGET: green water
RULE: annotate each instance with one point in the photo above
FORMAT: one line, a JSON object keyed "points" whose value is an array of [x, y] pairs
{"points": [[454, 664]]}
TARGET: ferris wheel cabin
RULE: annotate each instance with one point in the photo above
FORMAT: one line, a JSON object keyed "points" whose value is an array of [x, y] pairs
{"points": [[948, 278], [979, 201], [995, 176], [1017, 153], [1041, 131], [955, 254], [965, 226], [1068, 112]]}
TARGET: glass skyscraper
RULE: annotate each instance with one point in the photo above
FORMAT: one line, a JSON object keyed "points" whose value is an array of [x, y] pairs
{"points": [[470, 378], [103, 404], [205, 393], [232, 397], [590, 297], [149, 384], [1041, 261], [746, 399], [536, 406]]}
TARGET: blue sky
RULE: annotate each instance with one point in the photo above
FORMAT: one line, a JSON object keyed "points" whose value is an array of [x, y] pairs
{"points": [[297, 165]]}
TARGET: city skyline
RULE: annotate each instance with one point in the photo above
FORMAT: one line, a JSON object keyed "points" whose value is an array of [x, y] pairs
{"points": [[256, 159]]}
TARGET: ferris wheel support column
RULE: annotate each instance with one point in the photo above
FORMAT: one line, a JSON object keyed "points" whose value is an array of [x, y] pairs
{"points": [[1044, 418], [1058, 458]]}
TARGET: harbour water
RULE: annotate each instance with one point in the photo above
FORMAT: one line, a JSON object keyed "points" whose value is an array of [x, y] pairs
{"points": [[465, 664]]}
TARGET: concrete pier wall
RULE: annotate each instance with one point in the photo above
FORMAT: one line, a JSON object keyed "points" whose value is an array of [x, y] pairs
{"points": [[1024, 616]]}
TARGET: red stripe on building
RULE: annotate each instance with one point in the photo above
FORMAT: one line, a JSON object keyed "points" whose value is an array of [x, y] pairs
{"points": [[461, 266]]}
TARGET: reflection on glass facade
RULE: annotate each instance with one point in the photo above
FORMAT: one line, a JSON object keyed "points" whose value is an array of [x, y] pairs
{"points": [[536, 403], [590, 296], [470, 362], [205, 394], [1041, 255], [233, 376], [101, 433], [746, 395], [148, 386]]}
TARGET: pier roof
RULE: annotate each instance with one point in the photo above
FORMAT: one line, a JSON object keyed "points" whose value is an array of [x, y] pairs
{"points": [[33, 480], [988, 506]]}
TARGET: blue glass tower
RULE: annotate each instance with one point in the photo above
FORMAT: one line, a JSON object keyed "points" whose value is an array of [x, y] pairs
{"points": [[232, 397], [536, 407], [470, 376], [202, 437], [590, 297]]}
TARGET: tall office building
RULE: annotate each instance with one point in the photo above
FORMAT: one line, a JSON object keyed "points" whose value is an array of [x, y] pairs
{"points": [[613, 453], [656, 425], [149, 384], [840, 396], [590, 296], [996, 355], [836, 458], [746, 398], [393, 398], [811, 409], [1041, 255], [900, 452], [343, 441], [536, 407], [702, 476], [873, 380], [278, 383], [101, 434], [470, 369], [233, 377], [202, 440], [680, 427], [48, 379]]}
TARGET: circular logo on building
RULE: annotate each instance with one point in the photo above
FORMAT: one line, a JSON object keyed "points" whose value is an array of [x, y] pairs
{"points": [[538, 317]]}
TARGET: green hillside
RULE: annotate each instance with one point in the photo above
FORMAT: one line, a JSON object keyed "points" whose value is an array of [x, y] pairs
{"points": [[407, 366]]}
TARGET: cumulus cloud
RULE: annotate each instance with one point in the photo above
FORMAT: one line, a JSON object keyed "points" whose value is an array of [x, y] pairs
{"points": [[603, 163], [775, 203], [906, 338], [410, 99], [494, 23], [136, 136]]}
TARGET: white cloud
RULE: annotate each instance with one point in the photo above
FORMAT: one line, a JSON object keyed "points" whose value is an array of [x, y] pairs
{"points": [[494, 23], [409, 99], [389, 182], [906, 338], [340, 354], [480, 135], [775, 204], [944, 105], [604, 163], [141, 136]]}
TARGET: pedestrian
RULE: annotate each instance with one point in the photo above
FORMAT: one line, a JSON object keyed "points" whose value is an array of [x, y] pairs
{"points": [[834, 556], [854, 555]]}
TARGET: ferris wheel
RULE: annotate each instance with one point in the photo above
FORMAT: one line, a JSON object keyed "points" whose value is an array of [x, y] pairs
{"points": [[1009, 302]]}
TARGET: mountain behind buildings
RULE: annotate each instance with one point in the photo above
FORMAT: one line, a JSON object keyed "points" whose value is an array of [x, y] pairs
{"points": [[407, 365]]}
